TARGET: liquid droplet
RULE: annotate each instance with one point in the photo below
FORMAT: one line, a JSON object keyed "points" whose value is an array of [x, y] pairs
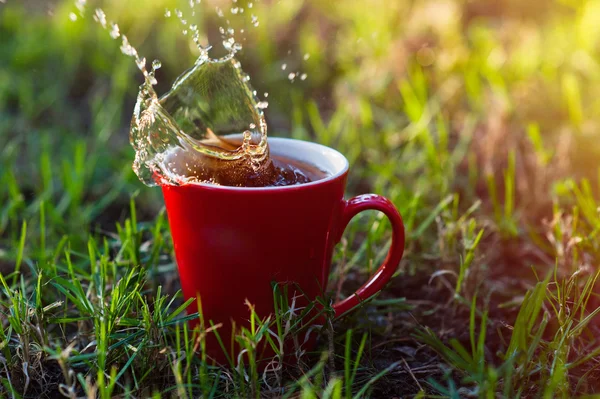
{"points": [[114, 30], [291, 76], [303, 76], [228, 43], [262, 105], [156, 64], [254, 20], [283, 67], [126, 48], [80, 4], [72, 16], [306, 56], [100, 17], [141, 64], [167, 13]]}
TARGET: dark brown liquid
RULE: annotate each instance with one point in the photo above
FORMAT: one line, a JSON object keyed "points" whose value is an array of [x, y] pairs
{"points": [[276, 171], [289, 172]]}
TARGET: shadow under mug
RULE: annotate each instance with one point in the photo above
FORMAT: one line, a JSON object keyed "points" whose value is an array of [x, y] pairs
{"points": [[232, 243]]}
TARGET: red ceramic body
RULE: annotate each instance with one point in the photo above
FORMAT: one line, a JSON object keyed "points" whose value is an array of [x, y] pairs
{"points": [[232, 243]]}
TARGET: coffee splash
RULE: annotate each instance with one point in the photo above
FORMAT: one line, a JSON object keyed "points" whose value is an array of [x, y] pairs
{"points": [[210, 127]]}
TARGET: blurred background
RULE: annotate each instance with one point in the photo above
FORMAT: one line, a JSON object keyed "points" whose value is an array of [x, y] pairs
{"points": [[479, 119], [378, 74], [426, 98], [490, 103]]}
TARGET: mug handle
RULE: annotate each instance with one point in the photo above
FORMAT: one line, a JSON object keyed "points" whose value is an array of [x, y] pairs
{"points": [[385, 272]]}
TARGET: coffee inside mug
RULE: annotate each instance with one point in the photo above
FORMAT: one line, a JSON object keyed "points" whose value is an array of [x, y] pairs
{"points": [[328, 162], [316, 161]]}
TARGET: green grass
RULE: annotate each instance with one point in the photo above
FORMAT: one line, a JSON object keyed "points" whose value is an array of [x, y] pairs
{"points": [[479, 121]]}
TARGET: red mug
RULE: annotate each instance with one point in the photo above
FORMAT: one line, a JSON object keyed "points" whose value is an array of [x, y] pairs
{"points": [[232, 243]]}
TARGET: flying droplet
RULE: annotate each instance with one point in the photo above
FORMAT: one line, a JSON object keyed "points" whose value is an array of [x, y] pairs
{"points": [[100, 17], [72, 16], [114, 30], [303, 76], [291, 76], [262, 104], [228, 43], [141, 64], [196, 38], [283, 67], [167, 13], [254, 20], [80, 4], [306, 56], [126, 48]]}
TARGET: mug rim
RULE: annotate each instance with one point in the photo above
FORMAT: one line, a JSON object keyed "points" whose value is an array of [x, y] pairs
{"points": [[323, 149]]}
